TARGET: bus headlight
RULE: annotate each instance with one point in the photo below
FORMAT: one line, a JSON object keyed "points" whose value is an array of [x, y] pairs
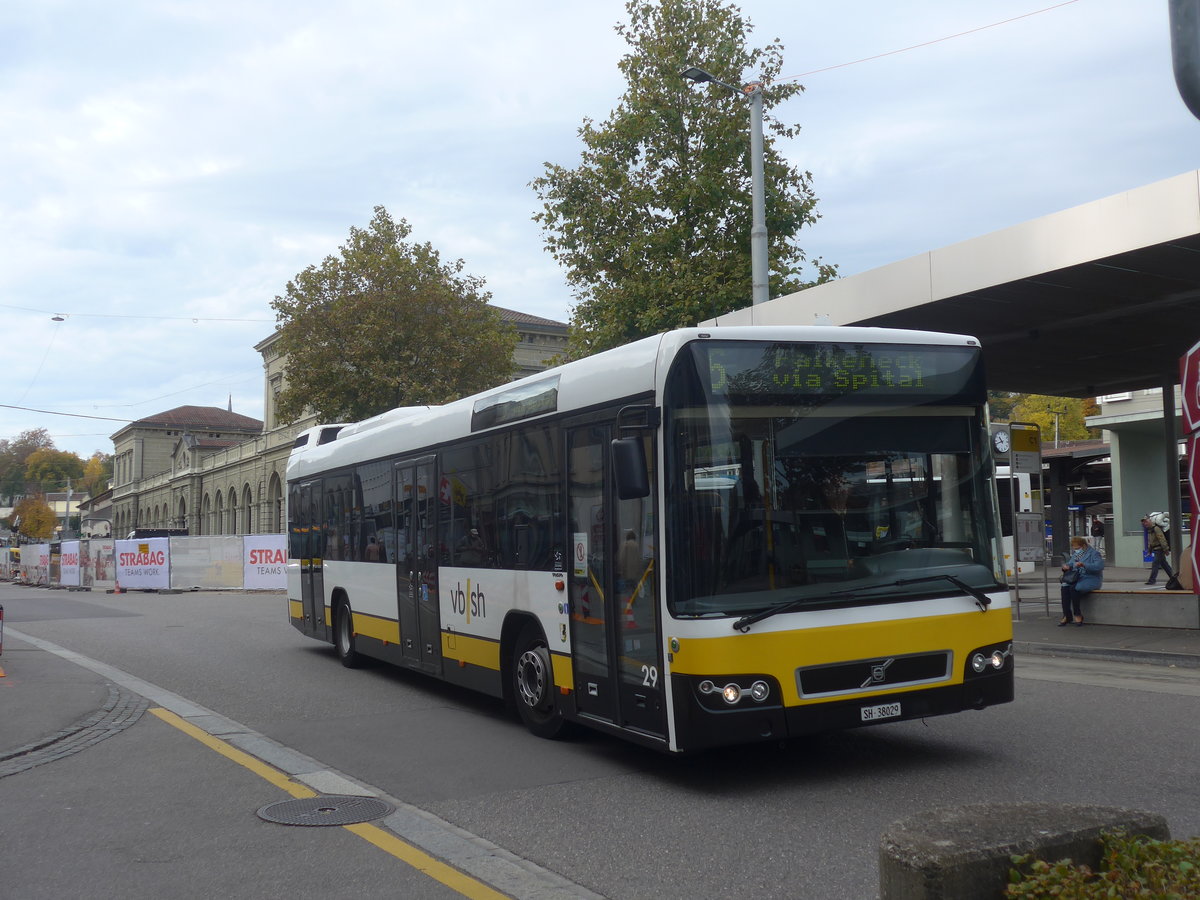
{"points": [[736, 692], [990, 659]]}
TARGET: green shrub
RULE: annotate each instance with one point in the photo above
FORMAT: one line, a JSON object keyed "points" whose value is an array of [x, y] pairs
{"points": [[1131, 867]]}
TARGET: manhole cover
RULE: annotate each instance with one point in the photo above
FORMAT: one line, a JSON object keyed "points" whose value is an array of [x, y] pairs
{"points": [[325, 811]]}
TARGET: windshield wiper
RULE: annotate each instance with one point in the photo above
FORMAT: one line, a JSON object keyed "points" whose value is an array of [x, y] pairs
{"points": [[743, 624], [982, 600]]}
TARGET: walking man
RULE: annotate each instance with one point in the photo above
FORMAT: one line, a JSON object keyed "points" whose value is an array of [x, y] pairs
{"points": [[1158, 544]]}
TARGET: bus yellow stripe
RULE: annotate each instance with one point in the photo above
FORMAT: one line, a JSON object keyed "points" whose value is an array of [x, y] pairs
{"points": [[377, 627], [471, 650], [485, 653]]}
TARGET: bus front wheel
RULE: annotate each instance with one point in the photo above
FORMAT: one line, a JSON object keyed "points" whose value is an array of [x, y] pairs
{"points": [[533, 684]]}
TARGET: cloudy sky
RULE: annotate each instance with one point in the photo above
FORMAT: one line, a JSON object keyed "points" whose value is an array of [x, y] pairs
{"points": [[167, 165]]}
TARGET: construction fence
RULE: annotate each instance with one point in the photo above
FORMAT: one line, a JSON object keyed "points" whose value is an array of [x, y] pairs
{"points": [[218, 562]]}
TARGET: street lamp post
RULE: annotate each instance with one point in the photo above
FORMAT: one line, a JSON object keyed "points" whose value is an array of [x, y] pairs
{"points": [[753, 92]]}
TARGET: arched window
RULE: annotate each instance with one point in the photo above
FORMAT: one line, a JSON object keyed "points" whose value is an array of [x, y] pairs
{"points": [[274, 511], [247, 509]]}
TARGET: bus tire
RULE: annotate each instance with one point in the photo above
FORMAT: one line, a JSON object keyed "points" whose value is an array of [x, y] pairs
{"points": [[343, 637], [533, 684]]}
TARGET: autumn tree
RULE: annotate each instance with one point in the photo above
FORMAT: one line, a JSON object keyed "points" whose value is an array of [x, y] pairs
{"points": [[33, 517], [1067, 425], [97, 472], [49, 469], [653, 225], [386, 323], [13, 455]]}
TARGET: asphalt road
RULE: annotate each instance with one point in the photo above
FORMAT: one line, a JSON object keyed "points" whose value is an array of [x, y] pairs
{"points": [[151, 812]]}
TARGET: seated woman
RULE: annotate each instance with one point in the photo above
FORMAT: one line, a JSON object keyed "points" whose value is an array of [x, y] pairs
{"points": [[1083, 572]]}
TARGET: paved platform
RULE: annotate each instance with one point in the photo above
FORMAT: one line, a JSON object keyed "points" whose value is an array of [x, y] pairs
{"points": [[1036, 628]]}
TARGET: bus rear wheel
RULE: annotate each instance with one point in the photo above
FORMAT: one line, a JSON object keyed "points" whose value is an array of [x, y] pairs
{"points": [[533, 684], [343, 637]]}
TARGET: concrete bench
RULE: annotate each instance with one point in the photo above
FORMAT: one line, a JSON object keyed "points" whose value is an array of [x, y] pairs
{"points": [[965, 851], [1148, 609]]}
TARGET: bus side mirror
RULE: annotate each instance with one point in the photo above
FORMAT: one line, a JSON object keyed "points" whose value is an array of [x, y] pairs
{"points": [[629, 465]]}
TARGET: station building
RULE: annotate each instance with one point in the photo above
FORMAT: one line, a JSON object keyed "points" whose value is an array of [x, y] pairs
{"points": [[215, 471]]}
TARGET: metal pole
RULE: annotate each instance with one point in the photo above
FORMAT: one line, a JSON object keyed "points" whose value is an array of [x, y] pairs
{"points": [[1014, 505], [1171, 451], [761, 290]]}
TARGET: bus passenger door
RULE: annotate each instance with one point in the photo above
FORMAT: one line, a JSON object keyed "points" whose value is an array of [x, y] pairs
{"points": [[416, 564], [616, 650], [312, 551], [638, 647], [591, 639]]}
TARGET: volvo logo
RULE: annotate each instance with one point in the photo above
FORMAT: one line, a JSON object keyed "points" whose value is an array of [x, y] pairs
{"points": [[878, 673]]}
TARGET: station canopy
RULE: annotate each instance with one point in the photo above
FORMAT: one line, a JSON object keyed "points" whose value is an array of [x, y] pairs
{"points": [[1094, 300]]}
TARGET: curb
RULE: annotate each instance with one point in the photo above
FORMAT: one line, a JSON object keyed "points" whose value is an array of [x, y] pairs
{"points": [[1151, 657]]}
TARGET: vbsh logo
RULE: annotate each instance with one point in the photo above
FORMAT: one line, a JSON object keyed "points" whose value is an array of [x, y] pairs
{"points": [[469, 603]]}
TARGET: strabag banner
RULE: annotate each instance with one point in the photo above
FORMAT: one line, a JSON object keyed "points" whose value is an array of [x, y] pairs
{"points": [[143, 564], [68, 564], [264, 562]]}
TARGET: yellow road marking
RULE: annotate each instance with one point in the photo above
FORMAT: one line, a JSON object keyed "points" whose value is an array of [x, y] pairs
{"points": [[385, 841], [255, 765]]}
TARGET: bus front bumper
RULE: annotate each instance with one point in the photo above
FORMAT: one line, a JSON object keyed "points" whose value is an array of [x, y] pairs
{"points": [[699, 726]]}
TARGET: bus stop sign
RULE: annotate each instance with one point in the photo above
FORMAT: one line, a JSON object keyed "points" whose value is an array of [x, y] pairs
{"points": [[1189, 381]]}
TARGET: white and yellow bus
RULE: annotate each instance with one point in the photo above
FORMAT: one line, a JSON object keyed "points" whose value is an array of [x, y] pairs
{"points": [[706, 537]]}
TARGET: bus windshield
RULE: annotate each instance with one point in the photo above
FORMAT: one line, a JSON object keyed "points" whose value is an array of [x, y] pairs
{"points": [[815, 475]]}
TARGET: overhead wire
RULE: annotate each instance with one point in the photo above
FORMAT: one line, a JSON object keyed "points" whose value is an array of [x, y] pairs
{"points": [[193, 319], [50, 412], [949, 37]]}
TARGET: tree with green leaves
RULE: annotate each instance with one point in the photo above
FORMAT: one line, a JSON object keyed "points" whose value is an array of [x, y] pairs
{"points": [[385, 323], [653, 225], [1000, 405]]}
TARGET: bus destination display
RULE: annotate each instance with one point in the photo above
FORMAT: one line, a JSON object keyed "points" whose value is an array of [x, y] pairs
{"points": [[835, 370]]}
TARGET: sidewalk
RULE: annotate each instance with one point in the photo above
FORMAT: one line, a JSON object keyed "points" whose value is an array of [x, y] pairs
{"points": [[1035, 632], [46, 699]]}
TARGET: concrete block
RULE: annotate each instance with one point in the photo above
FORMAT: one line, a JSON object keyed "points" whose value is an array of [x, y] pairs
{"points": [[1147, 609], [964, 852]]}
